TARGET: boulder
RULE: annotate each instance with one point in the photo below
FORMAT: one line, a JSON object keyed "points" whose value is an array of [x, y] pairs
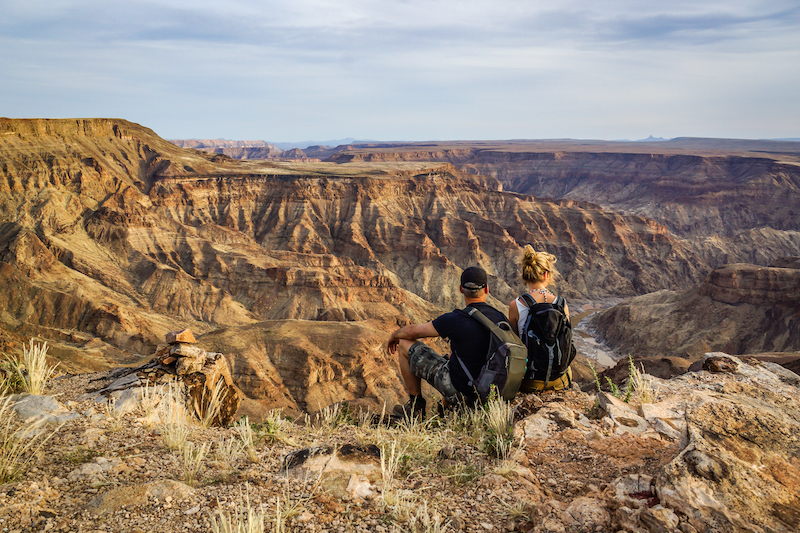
{"points": [[622, 415], [43, 409], [743, 447], [204, 377], [115, 499], [348, 471], [586, 514]]}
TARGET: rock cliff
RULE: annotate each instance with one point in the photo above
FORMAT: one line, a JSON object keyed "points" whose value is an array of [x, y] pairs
{"points": [[233, 149], [111, 236], [737, 201], [739, 308]]}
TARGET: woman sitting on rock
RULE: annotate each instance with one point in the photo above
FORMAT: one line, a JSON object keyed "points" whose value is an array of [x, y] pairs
{"points": [[542, 320]]}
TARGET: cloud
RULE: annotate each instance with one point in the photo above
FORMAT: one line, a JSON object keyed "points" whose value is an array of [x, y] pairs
{"points": [[407, 69]]}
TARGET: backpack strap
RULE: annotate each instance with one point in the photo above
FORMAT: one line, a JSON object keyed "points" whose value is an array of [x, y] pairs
{"points": [[466, 371], [530, 302], [480, 317], [528, 299], [488, 324]]}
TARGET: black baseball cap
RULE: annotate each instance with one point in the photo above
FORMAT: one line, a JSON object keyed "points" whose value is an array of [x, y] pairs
{"points": [[474, 278]]}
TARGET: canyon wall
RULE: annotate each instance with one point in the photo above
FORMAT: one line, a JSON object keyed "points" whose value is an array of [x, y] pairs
{"points": [[739, 308], [111, 236], [737, 201]]}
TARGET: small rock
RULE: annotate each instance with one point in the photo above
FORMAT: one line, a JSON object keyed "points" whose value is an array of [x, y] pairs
{"points": [[183, 336], [587, 514], [719, 363], [659, 519]]}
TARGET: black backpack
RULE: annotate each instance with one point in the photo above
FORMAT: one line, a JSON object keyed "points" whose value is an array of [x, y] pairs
{"points": [[505, 360], [548, 336]]}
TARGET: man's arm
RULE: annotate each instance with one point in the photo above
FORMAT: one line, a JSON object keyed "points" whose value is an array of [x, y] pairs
{"points": [[411, 332]]}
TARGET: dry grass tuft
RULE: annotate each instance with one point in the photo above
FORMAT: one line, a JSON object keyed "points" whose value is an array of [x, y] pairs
{"points": [[174, 419], [32, 370], [425, 521], [247, 437], [643, 384], [208, 408], [244, 519], [193, 462], [19, 443], [227, 454]]}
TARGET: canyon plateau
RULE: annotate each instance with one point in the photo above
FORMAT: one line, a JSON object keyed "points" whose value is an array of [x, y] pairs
{"points": [[297, 270]]}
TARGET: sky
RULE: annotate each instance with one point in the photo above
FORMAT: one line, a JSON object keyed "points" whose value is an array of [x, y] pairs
{"points": [[411, 70]]}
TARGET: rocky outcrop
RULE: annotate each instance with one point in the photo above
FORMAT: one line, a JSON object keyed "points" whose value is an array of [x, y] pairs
{"points": [[741, 283], [202, 378], [739, 308], [735, 466], [743, 448], [232, 149]]}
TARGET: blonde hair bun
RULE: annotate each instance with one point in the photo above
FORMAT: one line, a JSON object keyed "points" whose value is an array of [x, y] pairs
{"points": [[535, 264]]}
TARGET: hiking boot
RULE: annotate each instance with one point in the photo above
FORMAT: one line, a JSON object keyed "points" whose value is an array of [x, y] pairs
{"points": [[414, 407]]}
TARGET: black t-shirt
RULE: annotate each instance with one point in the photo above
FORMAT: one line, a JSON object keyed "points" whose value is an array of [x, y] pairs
{"points": [[469, 339]]}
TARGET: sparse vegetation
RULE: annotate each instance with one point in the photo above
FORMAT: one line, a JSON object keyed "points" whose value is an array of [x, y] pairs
{"points": [[332, 417], [275, 428], [11, 381], [247, 437], [462, 473], [596, 377], [613, 388], [515, 510], [243, 519], [424, 521], [498, 419], [31, 373], [209, 405], [19, 442], [193, 459], [113, 414], [642, 384], [149, 399], [228, 453], [174, 419], [81, 455]]}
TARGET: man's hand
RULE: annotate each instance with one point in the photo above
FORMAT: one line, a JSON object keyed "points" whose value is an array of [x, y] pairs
{"points": [[411, 332], [391, 346]]}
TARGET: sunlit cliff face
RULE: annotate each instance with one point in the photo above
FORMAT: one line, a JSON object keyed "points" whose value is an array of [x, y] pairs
{"points": [[112, 236]]}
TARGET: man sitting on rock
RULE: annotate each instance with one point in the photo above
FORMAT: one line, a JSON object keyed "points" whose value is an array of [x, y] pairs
{"points": [[469, 343]]}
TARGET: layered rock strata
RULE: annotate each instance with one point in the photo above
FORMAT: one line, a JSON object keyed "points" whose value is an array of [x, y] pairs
{"points": [[111, 237], [739, 308], [737, 200]]}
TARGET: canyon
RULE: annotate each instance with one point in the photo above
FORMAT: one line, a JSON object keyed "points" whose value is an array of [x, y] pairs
{"points": [[298, 269]]}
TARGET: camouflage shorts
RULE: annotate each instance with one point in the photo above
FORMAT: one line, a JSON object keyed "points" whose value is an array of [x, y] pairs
{"points": [[425, 363]]}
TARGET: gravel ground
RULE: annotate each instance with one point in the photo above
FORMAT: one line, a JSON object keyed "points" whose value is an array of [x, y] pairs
{"points": [[113, 473]]}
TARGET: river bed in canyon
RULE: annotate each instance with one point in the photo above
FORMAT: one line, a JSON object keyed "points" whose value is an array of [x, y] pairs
{"points": [[584, 334]]}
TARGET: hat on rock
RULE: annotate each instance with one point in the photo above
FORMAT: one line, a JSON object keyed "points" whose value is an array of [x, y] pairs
{"points": [[474, 278]]}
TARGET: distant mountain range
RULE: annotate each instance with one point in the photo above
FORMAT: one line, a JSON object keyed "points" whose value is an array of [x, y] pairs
{"points": [[305, 144]]}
